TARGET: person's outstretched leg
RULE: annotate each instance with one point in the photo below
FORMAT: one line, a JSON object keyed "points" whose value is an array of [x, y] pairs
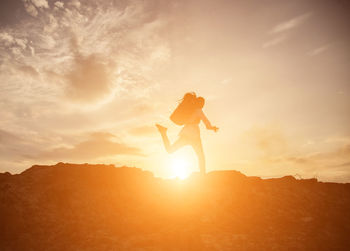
{"points": [[168, 147], [198, 148]]}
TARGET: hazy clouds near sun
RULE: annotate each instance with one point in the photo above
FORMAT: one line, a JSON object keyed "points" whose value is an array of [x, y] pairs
{"points": [[274, 73]]}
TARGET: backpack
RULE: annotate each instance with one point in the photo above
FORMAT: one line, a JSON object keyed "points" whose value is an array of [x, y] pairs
{"points": [[184, 110]]}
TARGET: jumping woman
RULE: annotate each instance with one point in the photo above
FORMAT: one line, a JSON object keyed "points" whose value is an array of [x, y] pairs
{"points": [[189, 113]]}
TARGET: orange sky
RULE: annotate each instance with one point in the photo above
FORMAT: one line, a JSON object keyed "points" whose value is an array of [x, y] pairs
{"points": [[85, 81]]}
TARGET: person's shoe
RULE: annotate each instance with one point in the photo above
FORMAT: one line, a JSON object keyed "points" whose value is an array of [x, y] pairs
{"points": [[161, 129]]}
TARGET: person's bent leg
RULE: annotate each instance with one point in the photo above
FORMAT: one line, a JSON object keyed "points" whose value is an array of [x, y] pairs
{"points": [[163, 132], [198, 148], [180, 142]]}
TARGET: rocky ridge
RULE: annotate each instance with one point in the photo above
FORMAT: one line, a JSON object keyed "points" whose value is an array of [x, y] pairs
{"points": [[101, 207]]}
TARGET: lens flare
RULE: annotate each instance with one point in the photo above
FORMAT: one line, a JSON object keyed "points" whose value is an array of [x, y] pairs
{"points": [[180, 168]]}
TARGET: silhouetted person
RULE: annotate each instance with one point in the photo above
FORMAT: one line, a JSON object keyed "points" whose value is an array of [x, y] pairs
{"points": [[190, 133]]}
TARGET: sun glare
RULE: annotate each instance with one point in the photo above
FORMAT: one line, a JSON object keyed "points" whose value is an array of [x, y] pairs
{"points": [[180, 168]]}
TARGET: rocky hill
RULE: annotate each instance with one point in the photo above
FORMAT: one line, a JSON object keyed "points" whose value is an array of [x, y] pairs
{"points": [[101, 207]]}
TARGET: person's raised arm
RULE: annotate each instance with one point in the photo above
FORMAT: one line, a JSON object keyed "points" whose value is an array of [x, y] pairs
{"points": [[207, 122]]}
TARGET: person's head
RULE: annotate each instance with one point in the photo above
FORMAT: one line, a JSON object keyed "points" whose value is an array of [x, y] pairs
{"points": [[200, 102], [189, 96]]}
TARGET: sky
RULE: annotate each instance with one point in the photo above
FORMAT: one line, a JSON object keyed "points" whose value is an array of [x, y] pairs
{"points": [[85, 82]]}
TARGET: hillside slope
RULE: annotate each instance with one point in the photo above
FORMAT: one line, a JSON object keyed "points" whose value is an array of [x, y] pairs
{"points": [[100, 207]]}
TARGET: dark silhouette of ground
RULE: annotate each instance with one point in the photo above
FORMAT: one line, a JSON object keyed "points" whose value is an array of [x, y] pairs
{"points": [[100, 207]]}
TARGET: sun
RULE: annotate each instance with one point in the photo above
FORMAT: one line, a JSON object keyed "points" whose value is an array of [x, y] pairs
{"points": [[180, 167]]}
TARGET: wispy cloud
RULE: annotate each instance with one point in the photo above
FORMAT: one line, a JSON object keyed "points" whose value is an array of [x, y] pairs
{"points": [[14, 147], [292, 23], [98, 145], [6, 137], [117, 48], [59, 4], [40, 3], [143, 131], [269, 148], [29, 70], [278, 33], [90, 78], [268, 141], [274, 41], [318, 50], [33, 6]]}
